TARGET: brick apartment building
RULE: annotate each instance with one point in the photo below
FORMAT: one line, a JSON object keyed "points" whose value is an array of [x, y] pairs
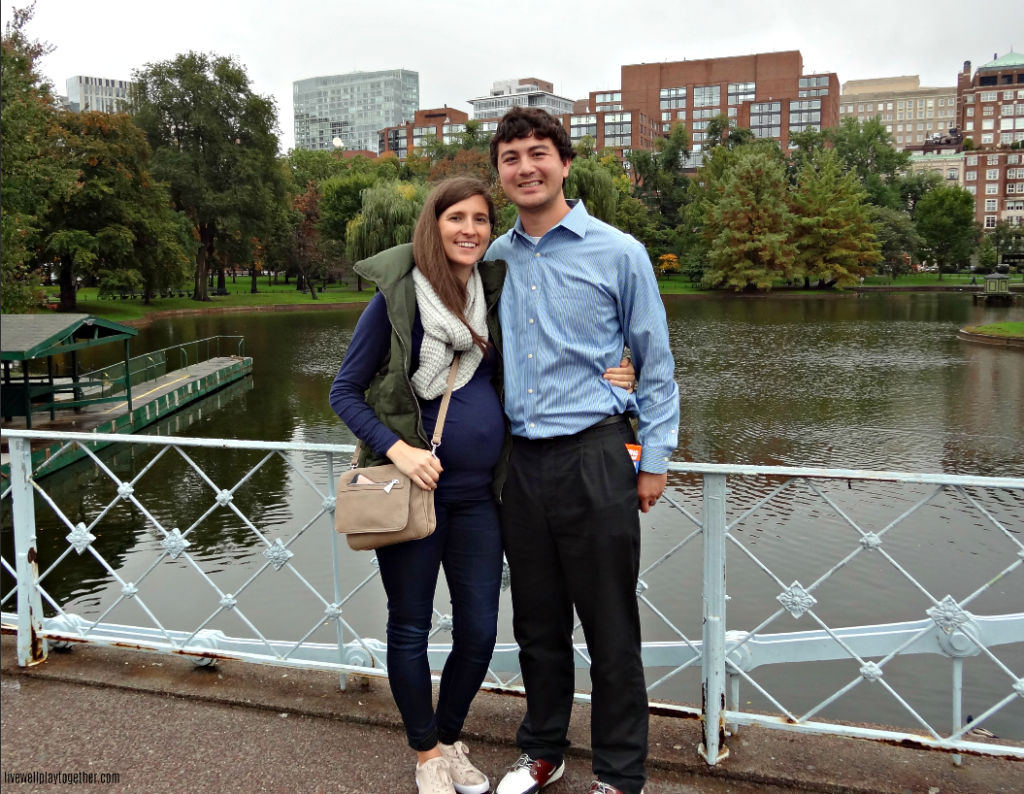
{"points": [[442, 123], [768, 92], [990, 112], [911, 113]]}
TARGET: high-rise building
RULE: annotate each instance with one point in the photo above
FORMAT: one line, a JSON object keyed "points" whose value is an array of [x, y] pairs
{"points": [[527, 92], [352, 107], [912, 114], [767, 92], [990, 111], [96, 93]]}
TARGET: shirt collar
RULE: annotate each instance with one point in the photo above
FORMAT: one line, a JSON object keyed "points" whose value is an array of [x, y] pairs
{"points": [[575, 221]]}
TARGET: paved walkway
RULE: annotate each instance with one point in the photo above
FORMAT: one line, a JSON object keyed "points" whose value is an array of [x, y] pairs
{"points": [[164, 725]]}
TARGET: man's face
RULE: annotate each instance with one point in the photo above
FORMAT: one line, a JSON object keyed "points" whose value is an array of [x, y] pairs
{"points": [[531, 172]]}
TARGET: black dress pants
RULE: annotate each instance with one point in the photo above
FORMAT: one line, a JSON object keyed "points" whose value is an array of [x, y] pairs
{"points": [[571, 530]]}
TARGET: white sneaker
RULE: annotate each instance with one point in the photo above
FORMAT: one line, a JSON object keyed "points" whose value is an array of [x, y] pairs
{"points": [[433, 777], [466, 778], [527, 776]]}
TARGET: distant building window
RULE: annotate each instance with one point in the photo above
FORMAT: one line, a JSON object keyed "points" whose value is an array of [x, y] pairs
{"points": [[990, 221], [707, 96], [952, 173], [740, 93], [990, 205]]}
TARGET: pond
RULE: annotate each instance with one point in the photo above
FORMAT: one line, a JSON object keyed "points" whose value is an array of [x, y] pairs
{"points": [[875, 382]]}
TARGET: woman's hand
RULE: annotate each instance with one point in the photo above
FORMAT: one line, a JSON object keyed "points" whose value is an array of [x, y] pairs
{"points": [[417, 464], [623, 376]]}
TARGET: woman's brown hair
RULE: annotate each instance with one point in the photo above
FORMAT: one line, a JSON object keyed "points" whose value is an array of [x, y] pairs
{"points": [[428, 248]]}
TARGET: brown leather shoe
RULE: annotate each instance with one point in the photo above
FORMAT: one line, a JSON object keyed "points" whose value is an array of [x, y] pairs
{"points": [[528, 776]]}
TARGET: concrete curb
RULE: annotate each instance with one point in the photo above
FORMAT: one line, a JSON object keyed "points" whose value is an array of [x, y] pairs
{"points": [[990, 339], [759, 756]]}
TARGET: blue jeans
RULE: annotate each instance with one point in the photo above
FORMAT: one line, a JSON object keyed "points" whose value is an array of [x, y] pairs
{"points": [[467, 542]]}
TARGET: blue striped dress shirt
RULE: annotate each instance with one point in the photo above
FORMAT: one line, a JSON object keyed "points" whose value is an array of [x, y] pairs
{"points": [[569, 304]]}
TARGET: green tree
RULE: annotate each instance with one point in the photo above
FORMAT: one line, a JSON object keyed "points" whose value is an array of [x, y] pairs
{"points": [[750, 226], [340, 202], [387, 218], [867, 148], [214, 142], [988, 257], [945, 221], [722, 131], [1007, 238], [33, 172], [118, 226], [591, 182], [834, 236], [897, 234], [307, 166]]}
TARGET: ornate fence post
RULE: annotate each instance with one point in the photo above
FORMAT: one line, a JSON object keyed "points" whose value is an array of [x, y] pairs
{"points": [[31, 647], [713, 749]]}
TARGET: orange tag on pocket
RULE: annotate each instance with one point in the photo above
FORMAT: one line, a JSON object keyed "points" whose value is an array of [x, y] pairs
{"points": [[634, 453]]}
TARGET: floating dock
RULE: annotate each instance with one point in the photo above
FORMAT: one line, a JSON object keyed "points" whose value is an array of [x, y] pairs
{"points": [[152, 401]]}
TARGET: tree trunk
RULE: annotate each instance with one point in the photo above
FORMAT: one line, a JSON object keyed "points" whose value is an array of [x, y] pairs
{"points": [[299, 281], [66, 279], [359, 283], [252, 272], [222, 284], [205, 250]]}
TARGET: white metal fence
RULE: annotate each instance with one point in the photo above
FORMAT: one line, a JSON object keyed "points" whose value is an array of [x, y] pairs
{"points": [[715, 515]]}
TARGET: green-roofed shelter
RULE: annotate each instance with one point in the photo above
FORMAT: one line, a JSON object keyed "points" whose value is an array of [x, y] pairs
{"points": [[29, 337]]}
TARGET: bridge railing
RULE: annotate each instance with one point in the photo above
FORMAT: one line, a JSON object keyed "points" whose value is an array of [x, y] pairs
{"points": [[718, 526]]}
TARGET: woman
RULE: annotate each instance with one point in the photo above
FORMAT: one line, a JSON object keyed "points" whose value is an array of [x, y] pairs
{"points": [[435, 298]]}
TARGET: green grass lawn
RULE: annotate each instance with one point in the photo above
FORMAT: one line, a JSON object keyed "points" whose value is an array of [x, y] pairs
{"points": [[1015, 330], [239, 295], [930, 279]]}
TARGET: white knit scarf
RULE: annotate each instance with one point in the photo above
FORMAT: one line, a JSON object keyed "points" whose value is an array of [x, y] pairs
{"points": [[444, 333]]}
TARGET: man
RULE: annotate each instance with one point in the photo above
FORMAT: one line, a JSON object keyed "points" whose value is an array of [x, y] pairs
{"points": [[576, 290]]}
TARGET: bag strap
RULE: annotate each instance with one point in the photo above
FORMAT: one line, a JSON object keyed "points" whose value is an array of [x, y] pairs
{"points": [[435, 442]]}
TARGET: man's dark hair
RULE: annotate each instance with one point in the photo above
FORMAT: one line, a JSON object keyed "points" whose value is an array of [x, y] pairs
{"points": [[522, 122]]}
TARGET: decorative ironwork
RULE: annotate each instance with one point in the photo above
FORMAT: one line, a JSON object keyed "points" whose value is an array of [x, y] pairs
{"points": [[278, 554], [871, 672], [174, 544], [796, 600], [80, 537], [948, 614], [726, 657]]}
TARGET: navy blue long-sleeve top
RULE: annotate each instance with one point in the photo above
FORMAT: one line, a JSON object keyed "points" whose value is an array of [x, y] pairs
{"points": [[474, 429]]}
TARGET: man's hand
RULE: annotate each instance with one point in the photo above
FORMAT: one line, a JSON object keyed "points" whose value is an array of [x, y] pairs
{"points": [[649, 488], [417, 464]]}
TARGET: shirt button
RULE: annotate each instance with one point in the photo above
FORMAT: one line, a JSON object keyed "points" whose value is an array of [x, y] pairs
{"points": [[529, 355], [531, 321], [529, 391], [533, 286], [532, 424]]}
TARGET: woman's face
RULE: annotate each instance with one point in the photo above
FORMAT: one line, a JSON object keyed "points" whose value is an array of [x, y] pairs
{"points": [[465, 231]]}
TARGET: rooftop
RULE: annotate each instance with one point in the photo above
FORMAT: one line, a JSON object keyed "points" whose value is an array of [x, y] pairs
{"points": [[1008, 61]]}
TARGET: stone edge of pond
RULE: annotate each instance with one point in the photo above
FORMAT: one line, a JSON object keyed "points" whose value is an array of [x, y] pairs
{"points": [[757, 755], [993, 340]]}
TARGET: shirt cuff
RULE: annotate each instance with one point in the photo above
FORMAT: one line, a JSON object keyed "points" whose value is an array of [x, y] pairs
{"points": [[655, 460]]}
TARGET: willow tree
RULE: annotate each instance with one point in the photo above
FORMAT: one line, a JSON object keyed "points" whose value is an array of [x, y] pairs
{"points": [[591, 182], [387, 218], [750, 225], [834, 235]]}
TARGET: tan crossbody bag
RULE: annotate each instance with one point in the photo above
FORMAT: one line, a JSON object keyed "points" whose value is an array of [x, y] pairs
{"points": [[379, 506]]}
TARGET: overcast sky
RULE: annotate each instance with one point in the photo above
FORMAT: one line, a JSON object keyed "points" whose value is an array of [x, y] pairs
{"points": [[460, 48]]}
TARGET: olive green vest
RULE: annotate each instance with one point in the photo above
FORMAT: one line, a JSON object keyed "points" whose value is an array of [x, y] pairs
{"points": [[390, 394]]}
